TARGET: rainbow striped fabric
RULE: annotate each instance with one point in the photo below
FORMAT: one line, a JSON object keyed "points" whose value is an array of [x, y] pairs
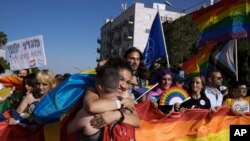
{"points": [[198, 62], [225, 20], [192, 125]]}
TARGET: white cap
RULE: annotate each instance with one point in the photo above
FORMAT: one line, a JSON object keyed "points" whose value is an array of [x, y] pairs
{"points": [[223, 88]]}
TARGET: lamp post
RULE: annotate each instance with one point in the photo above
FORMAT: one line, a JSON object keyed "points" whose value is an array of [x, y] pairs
{"points": [[179, 11], [169, 4], [176, 9]]}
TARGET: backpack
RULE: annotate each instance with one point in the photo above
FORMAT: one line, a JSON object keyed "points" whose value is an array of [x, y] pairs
{"points": [[119, 132]]}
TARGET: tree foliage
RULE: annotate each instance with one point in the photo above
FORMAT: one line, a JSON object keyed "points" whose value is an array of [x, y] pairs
{"points": [[181, 38], [3, 39]]}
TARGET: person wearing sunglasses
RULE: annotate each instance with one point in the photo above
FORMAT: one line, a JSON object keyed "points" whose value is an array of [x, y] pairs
{"points": [[214, 81]]}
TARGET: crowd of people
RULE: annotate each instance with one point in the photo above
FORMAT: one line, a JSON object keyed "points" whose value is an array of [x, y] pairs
{"points": [[110, 102]]}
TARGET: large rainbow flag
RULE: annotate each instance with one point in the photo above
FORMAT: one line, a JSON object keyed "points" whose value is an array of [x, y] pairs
{"points": [[225, 20], [192, 125]]}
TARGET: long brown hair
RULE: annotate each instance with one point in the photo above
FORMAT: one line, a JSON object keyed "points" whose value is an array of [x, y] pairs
{"points": [[142, 70]]}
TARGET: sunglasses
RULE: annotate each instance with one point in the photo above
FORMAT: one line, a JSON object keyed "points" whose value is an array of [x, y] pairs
{"points": [[219, 78]]}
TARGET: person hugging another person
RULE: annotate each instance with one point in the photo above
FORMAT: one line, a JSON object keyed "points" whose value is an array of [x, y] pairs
{"points": [[107, 85], [102, 103]]}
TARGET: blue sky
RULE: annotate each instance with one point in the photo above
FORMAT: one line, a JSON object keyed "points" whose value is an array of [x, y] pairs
{"points": [[70, 28]]}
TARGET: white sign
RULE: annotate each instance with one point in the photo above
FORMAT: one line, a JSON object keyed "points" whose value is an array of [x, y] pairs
{"points": [[26, 53]]}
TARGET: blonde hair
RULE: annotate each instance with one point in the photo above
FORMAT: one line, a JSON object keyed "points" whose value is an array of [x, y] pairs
{"points": [[46, 76]]}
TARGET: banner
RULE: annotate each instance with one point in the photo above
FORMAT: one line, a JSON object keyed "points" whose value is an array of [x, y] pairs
{"points": [[26, 53], [191, 125]]}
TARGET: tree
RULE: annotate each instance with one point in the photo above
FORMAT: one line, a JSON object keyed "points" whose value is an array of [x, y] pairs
{"points": [[181, 36], [243, 58], [3, 39], [4, 64]]}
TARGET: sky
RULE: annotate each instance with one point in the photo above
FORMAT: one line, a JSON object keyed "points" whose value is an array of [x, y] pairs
{"points": [[70, 28]]}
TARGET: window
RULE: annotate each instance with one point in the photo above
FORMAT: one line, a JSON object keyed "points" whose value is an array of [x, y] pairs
{"points": [[147, 17]]}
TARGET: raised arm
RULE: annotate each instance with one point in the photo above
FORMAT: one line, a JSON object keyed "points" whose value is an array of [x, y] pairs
{"points": [[95, 105]]}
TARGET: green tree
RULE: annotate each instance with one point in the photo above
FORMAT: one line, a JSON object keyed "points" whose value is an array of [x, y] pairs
{"points": [[243, 53], [4, 65], [181, 36], [3, 39]]}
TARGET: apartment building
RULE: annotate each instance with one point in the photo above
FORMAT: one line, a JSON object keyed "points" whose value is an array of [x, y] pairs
{"points": [[131, 28]]}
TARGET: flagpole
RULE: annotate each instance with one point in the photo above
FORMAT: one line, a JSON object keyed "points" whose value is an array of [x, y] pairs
{"points": [[165, 46], [236, 59], [147, 91]]}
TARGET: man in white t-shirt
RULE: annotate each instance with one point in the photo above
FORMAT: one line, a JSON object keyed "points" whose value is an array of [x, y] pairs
{"points": [[214, 81]]}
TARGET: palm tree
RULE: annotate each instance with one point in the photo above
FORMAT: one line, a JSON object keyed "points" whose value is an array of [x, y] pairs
{"points": [[3, 39]]}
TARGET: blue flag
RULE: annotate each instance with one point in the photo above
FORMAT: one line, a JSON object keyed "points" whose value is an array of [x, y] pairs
{"points": [[155, 47]]}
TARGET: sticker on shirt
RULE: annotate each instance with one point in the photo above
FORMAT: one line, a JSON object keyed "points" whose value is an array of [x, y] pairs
{"points": [[202, 102], [241, 106]]}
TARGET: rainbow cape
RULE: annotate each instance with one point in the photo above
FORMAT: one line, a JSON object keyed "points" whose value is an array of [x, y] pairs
{"points": [[192, 125], [225, 20]]}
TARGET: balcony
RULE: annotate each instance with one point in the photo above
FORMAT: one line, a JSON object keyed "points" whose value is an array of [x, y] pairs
{"points": [[98, 50], [99, 41], [127, 36], [128, 22], [98, 59], [110, 34], [118, 28]]}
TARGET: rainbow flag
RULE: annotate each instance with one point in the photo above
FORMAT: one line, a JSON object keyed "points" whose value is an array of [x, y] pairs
{"points": [[225, 20], [199, 62], [192, 125], [10, 81]]}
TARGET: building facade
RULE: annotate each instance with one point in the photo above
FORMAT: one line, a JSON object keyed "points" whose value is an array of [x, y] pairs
{"points": [[131, 29]]}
